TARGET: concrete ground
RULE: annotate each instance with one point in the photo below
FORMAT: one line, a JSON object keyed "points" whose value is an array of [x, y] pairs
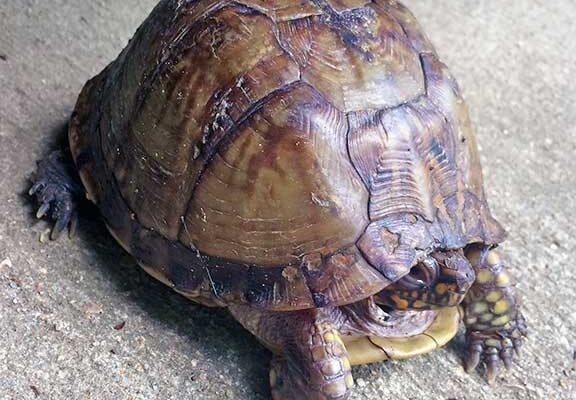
{"points": [[78, 320]]}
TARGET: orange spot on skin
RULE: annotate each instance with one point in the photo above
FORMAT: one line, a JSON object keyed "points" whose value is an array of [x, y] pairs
{"points": [[441, 288], [400, 303]]}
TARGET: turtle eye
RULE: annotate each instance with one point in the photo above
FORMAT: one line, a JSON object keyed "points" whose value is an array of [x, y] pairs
{"points": [[432, 269], [419, 272], [425, 273], [409, 282], [420, 276]]}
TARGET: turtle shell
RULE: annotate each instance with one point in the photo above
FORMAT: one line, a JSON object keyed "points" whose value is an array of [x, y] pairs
{"points": [[286, 154]]}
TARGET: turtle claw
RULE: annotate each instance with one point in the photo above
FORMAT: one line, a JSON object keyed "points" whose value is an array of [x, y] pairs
{"points": [[473, 357], [57, 191], [73, 226], [492, 360], [59, 227], [35, 188], [506, 356], [43, 210]]}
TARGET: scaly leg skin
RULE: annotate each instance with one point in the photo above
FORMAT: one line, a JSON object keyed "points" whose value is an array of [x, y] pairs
{"points": [[494, 323], [316, 366], [58, 191], [311, 361]]}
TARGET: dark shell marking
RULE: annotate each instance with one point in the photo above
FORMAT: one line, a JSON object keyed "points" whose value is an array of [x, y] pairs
{"points": [[338, 114]]}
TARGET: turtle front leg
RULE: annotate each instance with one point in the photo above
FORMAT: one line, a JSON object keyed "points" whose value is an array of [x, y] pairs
{"points": [[58, 191], [310, 361], [494, 323], [315, 366]]}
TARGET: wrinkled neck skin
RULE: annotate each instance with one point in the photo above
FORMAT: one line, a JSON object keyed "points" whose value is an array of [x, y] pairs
{"points": [[366, 318]]}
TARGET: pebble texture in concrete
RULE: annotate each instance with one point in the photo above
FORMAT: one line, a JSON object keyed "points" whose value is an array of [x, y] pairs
{"points": [[78, 319]]}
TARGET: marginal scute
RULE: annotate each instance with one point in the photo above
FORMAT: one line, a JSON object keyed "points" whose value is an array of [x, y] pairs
{"points": [[343, 278], [445, 97], [357, 59], [410, 234], [278, 189]]}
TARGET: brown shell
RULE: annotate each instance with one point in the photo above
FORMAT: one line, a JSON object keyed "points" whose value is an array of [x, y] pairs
{"points": [[286, 154]]}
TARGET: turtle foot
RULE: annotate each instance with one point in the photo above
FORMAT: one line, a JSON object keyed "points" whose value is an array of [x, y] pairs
{"points": [[494, 322], [57, 191], [495, 347]]}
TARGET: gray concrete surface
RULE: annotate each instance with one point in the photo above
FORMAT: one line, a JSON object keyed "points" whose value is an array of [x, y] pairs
{"points": [[60, 302]]}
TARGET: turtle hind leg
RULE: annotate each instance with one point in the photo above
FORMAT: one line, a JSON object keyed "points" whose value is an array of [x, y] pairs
{"points": [[314, 367], [58, 191]]}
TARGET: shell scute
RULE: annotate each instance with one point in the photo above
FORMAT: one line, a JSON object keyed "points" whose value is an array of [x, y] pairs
{"points": [[357, 59], [279, 189]]}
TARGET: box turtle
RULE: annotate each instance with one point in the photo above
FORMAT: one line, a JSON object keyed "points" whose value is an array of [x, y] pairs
{"points": [[308, 164]]}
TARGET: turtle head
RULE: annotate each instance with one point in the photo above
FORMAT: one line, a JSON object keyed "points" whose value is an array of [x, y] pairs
{"points": [[440, 279]]}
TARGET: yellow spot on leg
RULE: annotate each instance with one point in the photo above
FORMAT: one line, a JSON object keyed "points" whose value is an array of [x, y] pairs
{"points": [[329, 337], [493, 296], [503, 279], [484, 276], [479, 308], [501, 307], [486, 317], [346, 364], [501, 320], [349, 381]]}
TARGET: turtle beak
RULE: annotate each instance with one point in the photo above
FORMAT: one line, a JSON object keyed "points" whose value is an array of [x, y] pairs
{"points": [[455, 278], [455, 270]]}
